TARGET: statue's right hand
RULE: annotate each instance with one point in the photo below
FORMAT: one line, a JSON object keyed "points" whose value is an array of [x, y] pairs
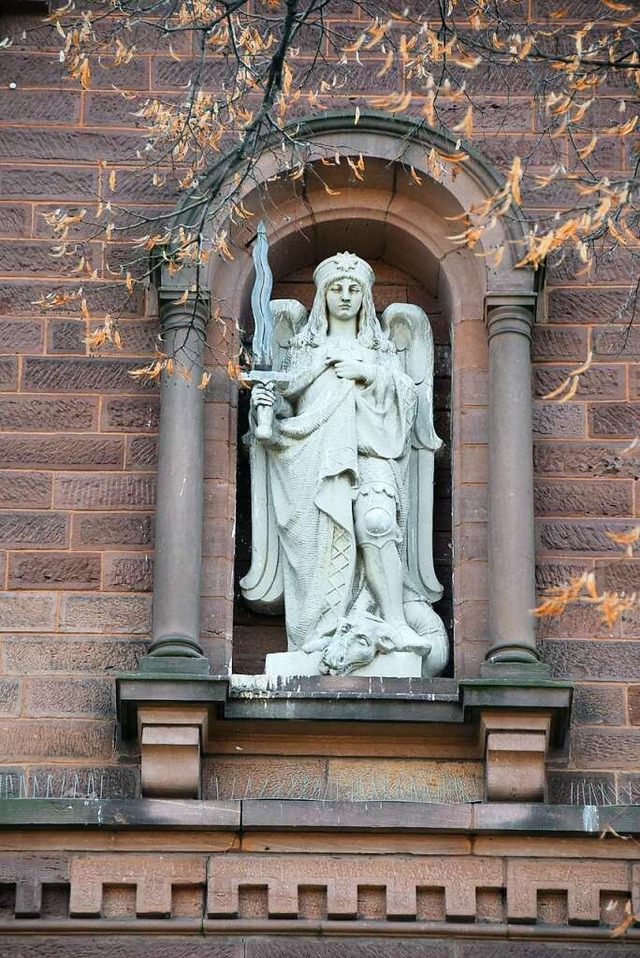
{"points": [[262, 394]]}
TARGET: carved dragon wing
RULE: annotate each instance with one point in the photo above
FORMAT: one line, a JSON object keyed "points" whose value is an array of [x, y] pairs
{"points": [[409, 329], [262, 586]]}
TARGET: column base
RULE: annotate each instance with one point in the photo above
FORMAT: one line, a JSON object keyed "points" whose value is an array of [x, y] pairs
{"points": [[175, 654], [510, 669]]}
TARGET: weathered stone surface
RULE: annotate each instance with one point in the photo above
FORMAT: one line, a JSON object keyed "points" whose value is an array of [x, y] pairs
{"points": [[618, 343], [25, 490], [9, 696], [49, 184], [605, 660], [551, 420], [579, 535], [593, 305], [143, 946], [67, 336], [54, 570], [27, 612], [67, 145], [634, 704], [598, 705], [8, 372], [19, 530], [579, 498], [586, 459], [65, 654], [47, 740], [389, 779], [610, 749], [90, 375], [106, 614], [141, 452], [65, 697], [152, 875], [14, 220], [345, 948], [18, 295], [20, 336], [62, 452], [620, 576], [583, 882], [23, 106], [128, 573], [550, 572], [341, 875], [599, 382], [53, 414], [119, 531], [561, 344], [130, 414], [615, 419], [577, 621], [90, 491], [581, 788], [74, 781]]}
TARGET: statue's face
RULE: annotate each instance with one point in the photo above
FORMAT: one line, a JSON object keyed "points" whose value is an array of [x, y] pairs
{"points": [[344, 299]]}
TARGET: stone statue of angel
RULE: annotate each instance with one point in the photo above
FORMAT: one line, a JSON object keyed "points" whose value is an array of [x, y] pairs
{"points": [[342, 482]]}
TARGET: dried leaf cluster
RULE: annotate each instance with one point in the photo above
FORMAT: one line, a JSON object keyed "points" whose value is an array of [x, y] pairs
{"points": [[249, 69]]}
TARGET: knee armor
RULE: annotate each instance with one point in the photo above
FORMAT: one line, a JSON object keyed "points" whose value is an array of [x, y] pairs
{"points": [[376, 523]]}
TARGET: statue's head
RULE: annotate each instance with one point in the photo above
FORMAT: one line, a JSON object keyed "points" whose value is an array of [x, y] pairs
{"points": [[337, 268]]}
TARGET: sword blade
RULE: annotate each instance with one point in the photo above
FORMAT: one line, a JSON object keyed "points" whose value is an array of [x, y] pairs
{"points": [[260, 300]]}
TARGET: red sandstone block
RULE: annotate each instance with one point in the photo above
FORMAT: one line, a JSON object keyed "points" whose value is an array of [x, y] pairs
{"points": [[9, 696], [50, 414], [128, 572], [218, 537], [599, 382], [562, 344], [560, 497], [634, 704], [54, 570], [26, 740], [27, 612], [141, 452], [21, 336], [49, 184], [112, 530], [106, 614], [17, 297], [139, 337], [552, 421], [14, 220], [62, 452], [31, 106], [71, 654], [599, 705], [64, 697], [25, 490], [589, 459], [130, 414], [8, 374], [89, 375], [606, 749], [593, 305], [66, 145], [620, 576], [67, 336], [217, 576], [587, 536], [74, 781], [91, 491], [615, 419], [22, 529], [597, 660]]}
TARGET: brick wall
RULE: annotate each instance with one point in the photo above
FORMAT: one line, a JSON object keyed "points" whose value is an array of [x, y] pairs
{"points": [[78, 434]]}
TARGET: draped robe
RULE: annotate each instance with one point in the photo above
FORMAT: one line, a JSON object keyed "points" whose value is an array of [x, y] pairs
{"points": [[343, 439]]}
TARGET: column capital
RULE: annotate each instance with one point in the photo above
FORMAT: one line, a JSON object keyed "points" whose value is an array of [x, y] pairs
{"points": [[184, 308], [510, 313]]}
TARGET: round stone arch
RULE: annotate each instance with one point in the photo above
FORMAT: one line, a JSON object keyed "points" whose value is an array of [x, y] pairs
{"points": [[398, 214]]}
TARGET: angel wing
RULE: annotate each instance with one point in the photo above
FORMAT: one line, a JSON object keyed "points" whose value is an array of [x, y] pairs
{"points": [[409, 329], [262, 586]]}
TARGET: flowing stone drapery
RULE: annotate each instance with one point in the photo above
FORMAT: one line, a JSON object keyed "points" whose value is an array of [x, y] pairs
{"points": [[178, 550], [510, 320]]}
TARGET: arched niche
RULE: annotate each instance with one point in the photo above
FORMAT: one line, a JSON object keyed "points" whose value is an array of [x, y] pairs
{"points": [[399, 216]]}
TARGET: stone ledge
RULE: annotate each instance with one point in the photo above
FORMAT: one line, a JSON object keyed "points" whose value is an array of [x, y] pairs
{"points": [[316, 816]]}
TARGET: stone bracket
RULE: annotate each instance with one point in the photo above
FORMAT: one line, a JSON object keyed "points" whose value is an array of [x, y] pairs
{"points": [[171, 740], [519, 723]]}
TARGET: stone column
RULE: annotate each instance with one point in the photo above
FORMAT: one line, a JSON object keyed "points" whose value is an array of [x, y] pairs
{"points": [[178, 551], [511, 533]]}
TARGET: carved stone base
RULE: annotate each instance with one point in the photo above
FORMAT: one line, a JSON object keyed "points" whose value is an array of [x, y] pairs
{"points": [[392, 665]]}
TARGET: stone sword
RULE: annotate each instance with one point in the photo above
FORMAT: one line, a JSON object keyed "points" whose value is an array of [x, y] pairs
{"points": [[261, 352]]}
